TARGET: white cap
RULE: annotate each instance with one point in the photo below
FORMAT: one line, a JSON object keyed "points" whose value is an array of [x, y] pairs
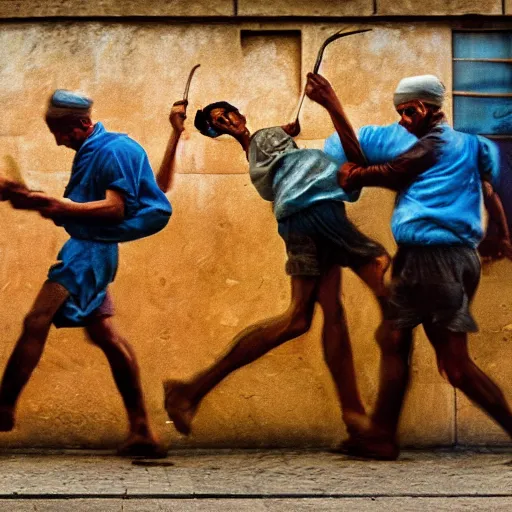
{"points": [[427, 88]]}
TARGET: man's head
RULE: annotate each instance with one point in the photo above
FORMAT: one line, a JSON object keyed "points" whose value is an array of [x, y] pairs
{"points": [[220, 118], [69, 118], [418, 101]]}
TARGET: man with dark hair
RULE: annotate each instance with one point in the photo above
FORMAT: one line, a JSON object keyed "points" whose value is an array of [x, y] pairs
{"points": [[437, 225], [111, 197], [309, 207]]}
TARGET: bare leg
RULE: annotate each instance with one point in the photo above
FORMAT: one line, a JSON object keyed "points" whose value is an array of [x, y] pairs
{"points": [[125, 370], [373, 275], [28, 349], [455, 363], [395, 348], [182, 399], [379, 441], [338, 350]]}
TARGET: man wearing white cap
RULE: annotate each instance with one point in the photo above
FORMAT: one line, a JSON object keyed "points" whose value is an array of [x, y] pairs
{"points": [[437, 225], [111, 197]]}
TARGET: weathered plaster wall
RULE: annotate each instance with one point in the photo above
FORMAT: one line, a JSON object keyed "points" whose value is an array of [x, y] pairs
{"points": [[438, 7], [45, 8], [178, 8], [184, 293], [305, 8]]}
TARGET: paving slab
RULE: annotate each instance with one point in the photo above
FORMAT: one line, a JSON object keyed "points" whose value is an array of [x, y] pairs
{"points": [[256, 480], [262, 505]]}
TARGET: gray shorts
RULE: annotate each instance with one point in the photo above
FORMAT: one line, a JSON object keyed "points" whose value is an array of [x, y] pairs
{"points": [[434, 284], [321, 236]]}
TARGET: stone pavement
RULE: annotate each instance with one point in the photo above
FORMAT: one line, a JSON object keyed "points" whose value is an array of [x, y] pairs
{"points": [[256, 480]]}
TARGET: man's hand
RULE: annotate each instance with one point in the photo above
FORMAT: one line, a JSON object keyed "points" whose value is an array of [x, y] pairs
{"points": [[6, 186], [178, 115], [506, 248], [22, 198], [319, 90], [292, 129], [344, 173]]}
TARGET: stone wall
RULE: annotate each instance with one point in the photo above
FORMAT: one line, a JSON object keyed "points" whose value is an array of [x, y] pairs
{"points": [[74, 8], [183, 294]]}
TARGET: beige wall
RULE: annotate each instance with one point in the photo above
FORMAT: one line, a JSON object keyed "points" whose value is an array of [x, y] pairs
{"points": [[202, 8], [184, 293], [438, 7]]}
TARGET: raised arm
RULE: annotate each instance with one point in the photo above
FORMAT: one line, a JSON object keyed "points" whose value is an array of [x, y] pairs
{"points": [[177, 118], [319, 90]]}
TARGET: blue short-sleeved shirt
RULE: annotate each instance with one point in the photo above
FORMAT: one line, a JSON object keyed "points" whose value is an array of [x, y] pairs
{"points": [[88, 261], [443, 205], [109, 160]]}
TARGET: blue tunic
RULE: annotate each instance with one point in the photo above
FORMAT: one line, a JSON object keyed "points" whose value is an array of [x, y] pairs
{"points": [[443, 206], [88, 261], [379, 143]]}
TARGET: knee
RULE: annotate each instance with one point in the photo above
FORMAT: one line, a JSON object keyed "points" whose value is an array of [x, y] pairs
{"points": [[102, 334], [392, 341], [37, 323], [454, 372], [300, 322]]}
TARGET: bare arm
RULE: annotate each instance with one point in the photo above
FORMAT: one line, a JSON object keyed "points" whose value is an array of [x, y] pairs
{"points": [[497, 217], [320, 91], [395, 175], [177, 118], [110, 209]]}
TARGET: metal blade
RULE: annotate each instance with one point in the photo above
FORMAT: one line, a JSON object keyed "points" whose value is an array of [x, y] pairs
{"points": [[187, 87], [14, 171], [320, 54]]}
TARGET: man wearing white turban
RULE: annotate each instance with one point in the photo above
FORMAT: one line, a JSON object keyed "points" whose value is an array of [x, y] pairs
{"points": [[437, 225]]}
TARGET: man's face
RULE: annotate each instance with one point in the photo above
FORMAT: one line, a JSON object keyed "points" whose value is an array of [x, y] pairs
{"points": [[413, 116], [228, 122], [69, 135]]}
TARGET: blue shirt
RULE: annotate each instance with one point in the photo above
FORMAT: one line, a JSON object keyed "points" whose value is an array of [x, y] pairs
{"points": [[88, 260], [443, 205], [114, 161], [379, 143]]}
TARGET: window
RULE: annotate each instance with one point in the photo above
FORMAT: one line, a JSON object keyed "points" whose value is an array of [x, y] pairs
{"points": [[482, 95], [482, 82]]}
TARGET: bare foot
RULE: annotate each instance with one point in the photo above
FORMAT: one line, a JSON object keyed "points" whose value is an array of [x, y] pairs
{"points": [[142, 446], [357, 422], [6, 419], [366, 440], [180, 409]]}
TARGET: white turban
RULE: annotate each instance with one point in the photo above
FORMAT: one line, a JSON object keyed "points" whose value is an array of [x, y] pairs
{"points": [[427, 88]]}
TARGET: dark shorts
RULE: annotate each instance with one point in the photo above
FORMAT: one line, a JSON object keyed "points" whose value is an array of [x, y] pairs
{"points": [[321, 236], [434, 284]]}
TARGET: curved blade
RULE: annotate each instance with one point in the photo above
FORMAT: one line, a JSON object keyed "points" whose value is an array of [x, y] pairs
{"points": [[332, 38], [320, 54], [187, 87], [13, 170]]}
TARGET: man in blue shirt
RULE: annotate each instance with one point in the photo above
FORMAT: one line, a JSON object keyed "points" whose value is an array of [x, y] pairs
{"points": [[437, 225], [111, 197]]}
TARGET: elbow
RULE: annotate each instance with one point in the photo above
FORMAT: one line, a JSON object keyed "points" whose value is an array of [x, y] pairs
{"points": [[117, 213]]}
